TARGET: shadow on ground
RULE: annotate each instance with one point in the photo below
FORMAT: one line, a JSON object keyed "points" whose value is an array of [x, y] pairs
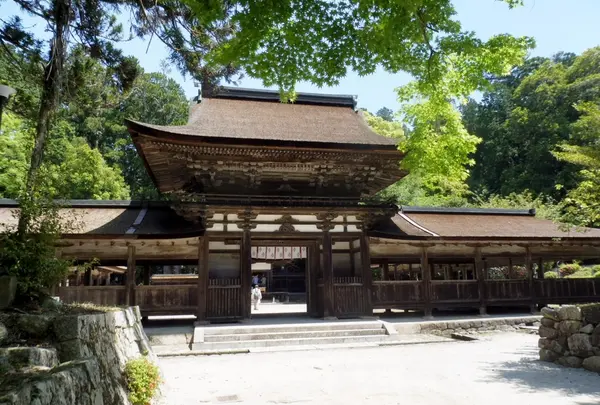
{"points": [[532, 375]]}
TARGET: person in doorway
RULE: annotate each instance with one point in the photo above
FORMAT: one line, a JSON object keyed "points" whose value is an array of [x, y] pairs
{"points": [[263, 281], [256, 296], [255, 279]]}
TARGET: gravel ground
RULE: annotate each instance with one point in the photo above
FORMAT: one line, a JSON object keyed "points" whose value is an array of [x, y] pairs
{"points": [[499, 370]]}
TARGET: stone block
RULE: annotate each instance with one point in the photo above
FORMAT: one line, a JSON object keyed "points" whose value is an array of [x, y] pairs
{"points": [[548, 332], [548, 355], [569, 313], [8, 291], [550, 313], [33, 325], [547, 322], [589, 328], [545, 343], [556, 347], [19, 358], [580, 345], [595, 338], [567, 328], [570, 361], [592, 364], [3, 333], [66, 328]]}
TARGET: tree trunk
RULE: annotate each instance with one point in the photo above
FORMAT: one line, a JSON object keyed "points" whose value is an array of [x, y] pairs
{"points": [[53, 75]]}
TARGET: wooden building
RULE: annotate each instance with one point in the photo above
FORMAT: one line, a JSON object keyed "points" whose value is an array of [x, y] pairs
{"points": [[253, 180]]}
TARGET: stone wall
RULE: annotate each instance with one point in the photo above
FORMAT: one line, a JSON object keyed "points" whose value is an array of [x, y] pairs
{"points": [[82, 361], [570, 336], [482, 325]]}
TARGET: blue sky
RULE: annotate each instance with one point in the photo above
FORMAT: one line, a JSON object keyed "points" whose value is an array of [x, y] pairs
{"points": [[556, 25]]}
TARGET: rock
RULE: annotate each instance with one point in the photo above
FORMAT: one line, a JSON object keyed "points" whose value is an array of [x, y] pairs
{"points": [[595, 338], [547, 332], [8, 291], [567, 328], [547, 322], [589, 328], [20, 358], [50, 303], [537, 324], [579, 345], [550, 313], [592, 364], [569, 313], [3, 333], [32, 325], [570, 361], [548, 355], [556, 347]]}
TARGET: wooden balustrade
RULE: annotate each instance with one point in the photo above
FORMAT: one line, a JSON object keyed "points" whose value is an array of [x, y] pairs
{"points": [[225, 299], [349, 298], [455, 292], [166, 299], [98, 295], [507, 291], [567, 290], [397, 294]]}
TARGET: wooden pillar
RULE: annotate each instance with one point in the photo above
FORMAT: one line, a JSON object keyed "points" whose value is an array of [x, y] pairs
{"points": [[511, 273], [481, 276], [540, 269], [367, 274], [426, 283], [87, 280], [328, 288], [146, 275], [246, 272], [386, 271], [529, 267], [130, 280], [446, 273], [201, 311], [312, 272]]}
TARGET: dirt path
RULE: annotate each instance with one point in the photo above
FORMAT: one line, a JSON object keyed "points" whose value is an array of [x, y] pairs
{"points": [[499, 371]]}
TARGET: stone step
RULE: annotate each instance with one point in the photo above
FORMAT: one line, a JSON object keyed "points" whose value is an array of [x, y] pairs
{"points": [[299, 327], [293, 335], [21, 358], [248, 344]]}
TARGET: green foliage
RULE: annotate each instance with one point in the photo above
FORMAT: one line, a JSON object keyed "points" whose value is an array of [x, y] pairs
{"points": [[29, 255], [585, 272], [596, 269], [568, 269], [550, 275], [503, 272], [143, 379], [544, 206]]}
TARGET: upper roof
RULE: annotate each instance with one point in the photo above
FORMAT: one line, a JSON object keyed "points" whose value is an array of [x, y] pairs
{"points": [[232, 115], [476, 223], [104, 219]]}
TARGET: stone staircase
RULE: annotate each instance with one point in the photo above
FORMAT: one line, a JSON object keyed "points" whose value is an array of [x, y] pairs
{"points": [[253, 337]]}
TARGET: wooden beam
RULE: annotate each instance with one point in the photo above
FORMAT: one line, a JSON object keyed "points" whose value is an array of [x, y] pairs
{"points": [[130, 279], [480, 274], [203, 251], [367, 274], [426, 283], [328, 288]]}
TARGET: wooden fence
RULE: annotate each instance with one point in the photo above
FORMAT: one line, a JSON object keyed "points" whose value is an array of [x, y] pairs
{"points": [[349, 297], [225, 299], [405, 294], [167, 299], [99, 295]]}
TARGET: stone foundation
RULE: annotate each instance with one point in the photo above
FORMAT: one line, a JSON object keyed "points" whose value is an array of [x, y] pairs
{"points": [[82, 361], [570, 336], [448, 328]]}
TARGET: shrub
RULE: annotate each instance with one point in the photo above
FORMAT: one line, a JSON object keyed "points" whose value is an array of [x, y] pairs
{"points": [[596, 269], [142, 378], [550, 274], [583, 273], [568, 269], [597, 275]]}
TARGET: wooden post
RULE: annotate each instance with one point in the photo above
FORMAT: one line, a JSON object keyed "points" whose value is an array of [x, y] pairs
{"points": [[511, 274], [386, 271], [130, 280], [540, 270], [88, 277], [203, 252], [352, 264], [328, 288], [426, 283], [367, 274], [480, 274], [246, 272], [314, 256], [529, 267], [146, 275]]}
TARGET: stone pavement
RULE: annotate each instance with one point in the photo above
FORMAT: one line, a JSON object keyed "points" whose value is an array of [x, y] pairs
{"points": [[499, 370]]}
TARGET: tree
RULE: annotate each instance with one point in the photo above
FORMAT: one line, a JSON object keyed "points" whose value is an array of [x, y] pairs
{"points": [[385, 113]]}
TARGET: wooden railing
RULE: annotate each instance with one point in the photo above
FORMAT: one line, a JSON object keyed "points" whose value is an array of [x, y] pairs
{"points": [[401, 294], [99, 295], [349, 297], [567, 290], [167, 299], [454, 292], [225, 299], [508, 291]]}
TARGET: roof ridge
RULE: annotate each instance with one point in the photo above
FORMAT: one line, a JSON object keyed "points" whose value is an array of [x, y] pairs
{"points": [[467, 210]]}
